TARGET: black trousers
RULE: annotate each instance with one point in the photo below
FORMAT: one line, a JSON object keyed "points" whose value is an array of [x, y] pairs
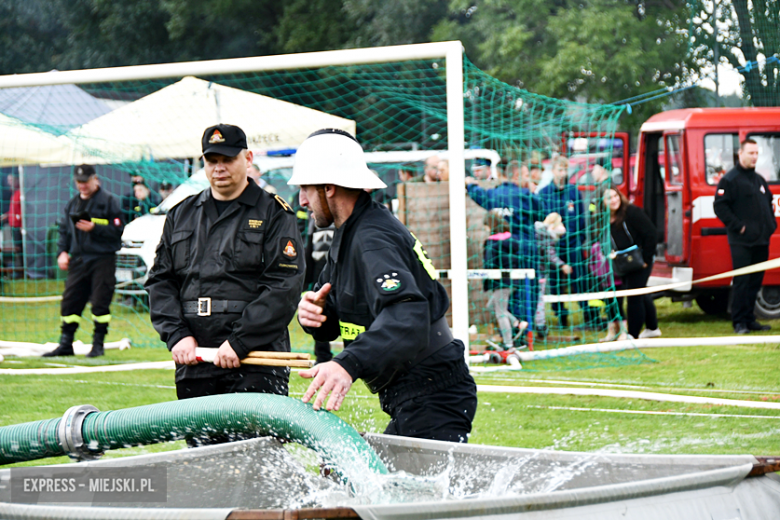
{"points": [[641, 309], [444, 411], [90, 281], [745, 288], [234, 381]]}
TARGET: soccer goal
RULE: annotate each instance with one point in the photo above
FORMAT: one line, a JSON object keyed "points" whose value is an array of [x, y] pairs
{"points": [[429, 119]]}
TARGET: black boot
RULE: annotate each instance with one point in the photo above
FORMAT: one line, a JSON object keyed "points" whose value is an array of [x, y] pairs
{"points": [[97, 344], [66, 345]]}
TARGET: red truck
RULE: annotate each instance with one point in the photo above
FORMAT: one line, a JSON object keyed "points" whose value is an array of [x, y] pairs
{"points": [[681, 156]]}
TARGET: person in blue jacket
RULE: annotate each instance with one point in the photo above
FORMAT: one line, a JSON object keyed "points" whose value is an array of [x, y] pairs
{"points": [[520, 208], [563, 198]]}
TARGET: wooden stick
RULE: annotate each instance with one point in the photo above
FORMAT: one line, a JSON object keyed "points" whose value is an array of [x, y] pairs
{"points": [[278, 355], [302, 363]]}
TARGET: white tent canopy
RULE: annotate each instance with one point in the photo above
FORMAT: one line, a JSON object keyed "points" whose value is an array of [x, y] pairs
{"points": [[169, 123], [22, 144]]}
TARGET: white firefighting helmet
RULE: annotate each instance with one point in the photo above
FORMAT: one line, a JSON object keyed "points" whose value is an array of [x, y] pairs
{"points": [[333, 156]]}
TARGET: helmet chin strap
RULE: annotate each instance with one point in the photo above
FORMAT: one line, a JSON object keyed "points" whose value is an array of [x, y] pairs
{"points": [[324, 203]]}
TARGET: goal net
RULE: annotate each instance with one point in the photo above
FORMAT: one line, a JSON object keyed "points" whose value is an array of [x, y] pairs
{"points": [[474, 168]]}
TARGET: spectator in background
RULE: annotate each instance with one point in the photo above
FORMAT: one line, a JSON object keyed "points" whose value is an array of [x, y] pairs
{"points": [[431, 170], [166, 188], [630, 225], [443, 171], [254, 173], [564, 198], [501, 251], [520, 208], [481, 169], [140, 200], [743, 202], [90, 236], [548, 233], [535, 171], [14, 219]]}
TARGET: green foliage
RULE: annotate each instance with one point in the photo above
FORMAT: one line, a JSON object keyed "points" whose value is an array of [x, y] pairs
{"points": [[597, 51], [740, 32]]}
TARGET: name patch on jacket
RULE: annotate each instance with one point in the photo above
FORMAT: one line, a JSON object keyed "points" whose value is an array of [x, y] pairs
{"points": [[254, 224], [350, 331]]}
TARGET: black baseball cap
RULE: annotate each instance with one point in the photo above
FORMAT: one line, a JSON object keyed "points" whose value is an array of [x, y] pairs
{"points": [[225, 140], [84, 172]]}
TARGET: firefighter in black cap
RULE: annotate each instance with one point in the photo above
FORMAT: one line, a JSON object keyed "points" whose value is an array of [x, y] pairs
{"points": [[227, 276], [90, 235], [379, 291]]}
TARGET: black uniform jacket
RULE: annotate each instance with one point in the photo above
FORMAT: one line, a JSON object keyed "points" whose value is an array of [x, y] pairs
{"points": [[384, 298], [105, 239], [743, 199], [250, 253]]}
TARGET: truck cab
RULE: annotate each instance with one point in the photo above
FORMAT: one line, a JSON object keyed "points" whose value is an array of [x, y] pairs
{"points": [[681, 156]]}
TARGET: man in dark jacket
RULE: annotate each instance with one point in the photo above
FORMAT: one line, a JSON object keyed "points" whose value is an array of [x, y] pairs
{"points": [[379, 291], [227, 276], [90, 235], [563, 198], [743, 203]]}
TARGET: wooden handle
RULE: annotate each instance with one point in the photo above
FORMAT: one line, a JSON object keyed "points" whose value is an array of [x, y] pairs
{"points": [[302, 363], [278, 355]]}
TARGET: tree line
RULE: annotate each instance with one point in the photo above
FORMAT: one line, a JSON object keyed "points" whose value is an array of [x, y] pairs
{"points": [[597, 51]]}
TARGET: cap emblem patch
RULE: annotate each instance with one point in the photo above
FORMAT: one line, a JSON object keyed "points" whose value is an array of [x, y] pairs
{"points": [[216, 137]]}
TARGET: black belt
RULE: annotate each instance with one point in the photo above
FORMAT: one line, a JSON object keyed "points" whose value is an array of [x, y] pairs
{"points": [[207, 306]]}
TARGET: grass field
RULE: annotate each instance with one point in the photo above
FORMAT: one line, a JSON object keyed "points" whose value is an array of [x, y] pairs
{"points": [[563, 422]]}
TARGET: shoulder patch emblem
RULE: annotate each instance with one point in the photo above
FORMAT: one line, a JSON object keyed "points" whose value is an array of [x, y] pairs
{"points": [[255, 224], [283, 203], [388, 282], [763, 190], [289, 250], [721, 191]]}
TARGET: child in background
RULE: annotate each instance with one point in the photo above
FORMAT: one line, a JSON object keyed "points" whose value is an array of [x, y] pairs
{"points": [[547, 235], [502, 252]]}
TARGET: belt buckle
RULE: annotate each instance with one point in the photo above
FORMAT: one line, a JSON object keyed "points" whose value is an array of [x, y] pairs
{"points": [[204, 302]]}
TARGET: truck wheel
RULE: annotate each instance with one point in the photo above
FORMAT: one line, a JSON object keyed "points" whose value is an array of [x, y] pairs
{"points": [[713, 302], [768, 302]]}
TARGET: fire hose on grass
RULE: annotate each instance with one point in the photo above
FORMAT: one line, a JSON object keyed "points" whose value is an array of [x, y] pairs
{"points": [[85, 433]]}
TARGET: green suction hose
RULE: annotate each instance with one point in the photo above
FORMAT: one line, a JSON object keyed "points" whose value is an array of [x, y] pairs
{"points": [[85, 432]]}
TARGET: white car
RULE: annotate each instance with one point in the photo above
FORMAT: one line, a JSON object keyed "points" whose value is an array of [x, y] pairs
{"points": [[141, 236]]}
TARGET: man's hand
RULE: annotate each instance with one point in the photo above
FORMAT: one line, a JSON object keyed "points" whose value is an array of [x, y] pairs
{"points": [[63, 260], [566, 269], [183, 352], [311, 305], [329, 378], [85, 225], [226, 357]]}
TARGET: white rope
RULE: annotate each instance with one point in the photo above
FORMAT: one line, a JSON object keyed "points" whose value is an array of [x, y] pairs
{"points": [[614, 346], [629, 394], [651, 412]]}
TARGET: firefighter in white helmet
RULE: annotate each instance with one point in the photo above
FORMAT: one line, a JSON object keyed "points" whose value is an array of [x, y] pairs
{"points": [[379, 292]]}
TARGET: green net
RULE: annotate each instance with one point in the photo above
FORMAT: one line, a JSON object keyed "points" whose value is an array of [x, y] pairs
{"points": [[745, 35], [515, 143]]}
